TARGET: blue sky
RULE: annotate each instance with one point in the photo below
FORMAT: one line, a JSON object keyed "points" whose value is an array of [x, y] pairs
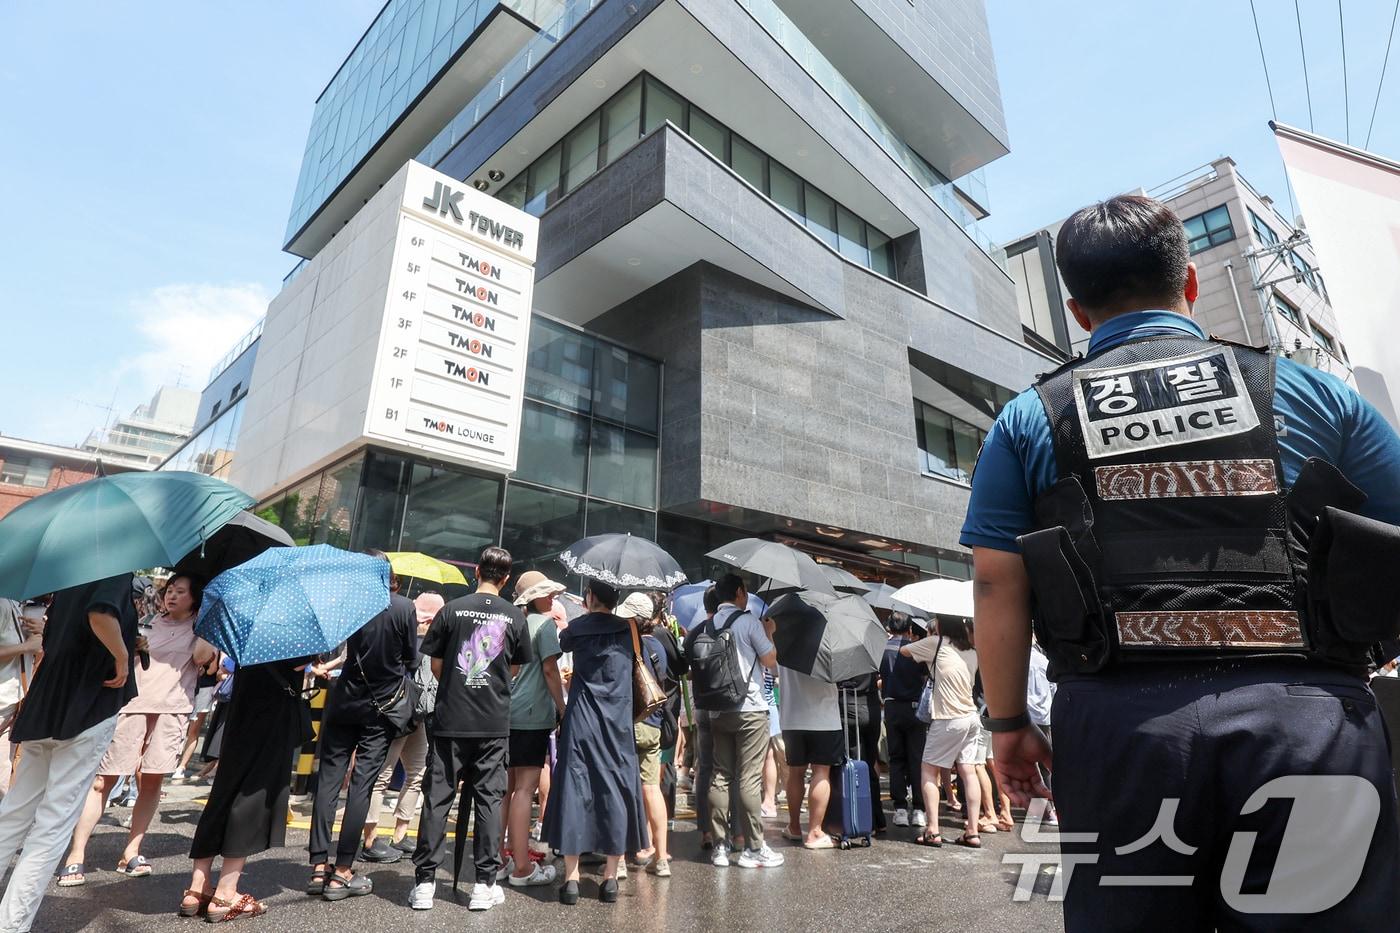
{"points": [[150, 150]]}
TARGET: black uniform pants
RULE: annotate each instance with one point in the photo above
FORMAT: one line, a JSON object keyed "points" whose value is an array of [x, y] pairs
{"points": [[905, 736], [480, 765], [1168, 764], [369, 744]]}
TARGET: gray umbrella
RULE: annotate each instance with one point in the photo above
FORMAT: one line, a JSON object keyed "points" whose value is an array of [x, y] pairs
{"points": [[843, 581], [879, 596], [832, 638], [783, 566]]}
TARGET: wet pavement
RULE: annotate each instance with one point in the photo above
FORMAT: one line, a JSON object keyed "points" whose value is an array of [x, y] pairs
{"points": [[894, 885]]}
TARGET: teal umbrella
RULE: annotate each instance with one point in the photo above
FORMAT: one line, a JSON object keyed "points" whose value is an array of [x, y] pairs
{"points": [[110, 525]]}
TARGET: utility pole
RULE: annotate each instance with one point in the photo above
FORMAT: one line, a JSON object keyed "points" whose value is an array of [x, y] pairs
{"points": [[1265, 273]]}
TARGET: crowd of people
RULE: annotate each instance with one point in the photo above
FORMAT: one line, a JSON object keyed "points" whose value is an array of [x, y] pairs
{"points": [[519, 705]]}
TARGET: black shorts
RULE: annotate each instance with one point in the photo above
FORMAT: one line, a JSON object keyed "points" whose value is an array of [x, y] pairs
{"points": [[528, 748], [806, 747]]}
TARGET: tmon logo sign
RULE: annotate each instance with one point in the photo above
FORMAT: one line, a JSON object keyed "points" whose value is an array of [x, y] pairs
{"points": [[446, 201]]}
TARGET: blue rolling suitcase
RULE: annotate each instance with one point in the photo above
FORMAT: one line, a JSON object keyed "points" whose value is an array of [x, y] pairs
{"points": [[849, 814]]}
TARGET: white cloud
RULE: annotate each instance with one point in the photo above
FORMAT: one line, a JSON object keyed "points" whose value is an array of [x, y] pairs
{"points": [[184, 330]]}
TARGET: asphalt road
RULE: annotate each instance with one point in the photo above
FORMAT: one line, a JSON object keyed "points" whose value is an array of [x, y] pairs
{"points": [[894, 885]]}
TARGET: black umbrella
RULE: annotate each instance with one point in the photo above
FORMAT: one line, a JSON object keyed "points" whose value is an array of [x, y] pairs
{"points": [[784, 567], [244, 537], [879, 596], [832, 638], [624, 562], [843, 581]]}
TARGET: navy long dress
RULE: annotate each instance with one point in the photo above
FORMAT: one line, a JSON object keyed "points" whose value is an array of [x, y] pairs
{"points": [[595, 800]]}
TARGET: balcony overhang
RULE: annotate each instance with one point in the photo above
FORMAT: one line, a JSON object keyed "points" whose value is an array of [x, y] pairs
{"points": [[661, 208], [673, 46], [925, 113], [496, 40]]}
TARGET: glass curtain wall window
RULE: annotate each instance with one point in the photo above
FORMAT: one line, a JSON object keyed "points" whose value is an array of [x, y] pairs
{"points": [[949, 445], [1209, 229], [589, 444], [646, 104]]}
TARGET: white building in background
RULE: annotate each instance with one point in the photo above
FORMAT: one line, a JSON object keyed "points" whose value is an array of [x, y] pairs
{"points": [[151, 432], [1281, 303]]}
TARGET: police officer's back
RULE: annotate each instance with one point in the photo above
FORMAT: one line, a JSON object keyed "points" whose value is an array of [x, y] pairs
{"points": [[1204, 535]]}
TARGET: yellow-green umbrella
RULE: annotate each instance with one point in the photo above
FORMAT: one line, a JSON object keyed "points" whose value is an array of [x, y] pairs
{"points": [[423, 567]]}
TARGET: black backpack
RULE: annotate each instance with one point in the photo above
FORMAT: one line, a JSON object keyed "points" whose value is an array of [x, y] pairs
{"points": [[716, 672]]}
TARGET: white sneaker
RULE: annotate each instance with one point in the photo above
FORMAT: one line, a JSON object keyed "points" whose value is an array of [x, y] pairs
{"points": [[484, 897], [762, 858], [421, 897], [901, 817], [543, 874], [919, 819], [720, 857], [506, 870]]}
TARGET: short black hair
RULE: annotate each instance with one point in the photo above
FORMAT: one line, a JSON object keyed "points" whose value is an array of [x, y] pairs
{"points": [[1124, 254], [494, 565], [728, 586], [603, 593], [711, 600], [899, 623], [196, 588]]}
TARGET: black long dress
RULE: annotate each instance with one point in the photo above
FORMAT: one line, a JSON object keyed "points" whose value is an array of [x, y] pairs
{"points": [[595, 800], [267, 721]]}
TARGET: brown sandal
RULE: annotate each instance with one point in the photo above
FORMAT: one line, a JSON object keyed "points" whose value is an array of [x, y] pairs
{"points": [[242, 906], [199, 909], [966, 840]]}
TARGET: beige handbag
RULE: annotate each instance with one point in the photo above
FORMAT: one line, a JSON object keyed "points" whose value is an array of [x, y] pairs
{"points": [[647, 695]]}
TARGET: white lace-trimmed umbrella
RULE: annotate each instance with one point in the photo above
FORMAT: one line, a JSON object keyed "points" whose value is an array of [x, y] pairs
{"points": [[623, 562]]}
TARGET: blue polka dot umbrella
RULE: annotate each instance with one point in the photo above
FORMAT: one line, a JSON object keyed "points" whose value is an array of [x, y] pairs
{"points": [[292, 602]]}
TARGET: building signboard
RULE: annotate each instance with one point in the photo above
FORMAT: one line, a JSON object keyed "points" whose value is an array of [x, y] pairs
{"points": [[450, 369]]}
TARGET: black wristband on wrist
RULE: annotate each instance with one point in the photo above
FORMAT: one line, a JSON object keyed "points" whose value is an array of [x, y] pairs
{"points": [[1009, 724]]}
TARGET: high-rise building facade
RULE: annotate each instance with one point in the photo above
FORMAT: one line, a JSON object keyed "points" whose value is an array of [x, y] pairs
{"points": [[762, 301], [152, 431]]}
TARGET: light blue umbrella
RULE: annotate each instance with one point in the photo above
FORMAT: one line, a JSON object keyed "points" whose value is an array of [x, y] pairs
{"points": [[292, 602], [689, 600], [108, 526]]}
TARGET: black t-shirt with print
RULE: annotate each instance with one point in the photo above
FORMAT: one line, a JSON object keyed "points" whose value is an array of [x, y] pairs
{"points": [[478, 637]]}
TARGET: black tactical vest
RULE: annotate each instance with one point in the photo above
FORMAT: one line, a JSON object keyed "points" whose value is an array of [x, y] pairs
{"points": [[1168, 532]]}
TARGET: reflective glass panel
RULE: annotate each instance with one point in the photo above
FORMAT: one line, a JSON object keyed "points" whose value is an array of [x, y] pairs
{"points": [[627, 388], [622, 120], [553, 447], [708, 133], [748, 161], [604, 518], [543, 187], [850, 231], [622, 466], [821, 215], [451, 514], [662, 105], [786, 189], [560, 368], [539, 524], [581, 148]]}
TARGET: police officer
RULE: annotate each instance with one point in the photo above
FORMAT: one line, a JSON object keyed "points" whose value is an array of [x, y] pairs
{"points": [[1204, 536]]}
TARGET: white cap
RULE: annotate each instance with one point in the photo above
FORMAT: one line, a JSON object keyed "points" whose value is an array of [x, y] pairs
{"points": [[636, 606]]}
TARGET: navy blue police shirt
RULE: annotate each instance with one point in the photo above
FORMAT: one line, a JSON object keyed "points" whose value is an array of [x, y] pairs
{"points": [[1315, 414]]}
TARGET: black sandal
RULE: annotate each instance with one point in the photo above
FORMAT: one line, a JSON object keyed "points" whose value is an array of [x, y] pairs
{"points": [[317, 885], [929, 839], [966, 841]]}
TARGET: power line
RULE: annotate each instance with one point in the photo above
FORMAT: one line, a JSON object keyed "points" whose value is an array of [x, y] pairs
{"points": [[1384, 63], [1346, 89], [1265, 62], [1307, 85], [1287, 186]]}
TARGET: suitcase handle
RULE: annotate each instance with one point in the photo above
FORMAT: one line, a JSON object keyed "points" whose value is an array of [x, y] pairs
{"points": [[846, 725]]}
